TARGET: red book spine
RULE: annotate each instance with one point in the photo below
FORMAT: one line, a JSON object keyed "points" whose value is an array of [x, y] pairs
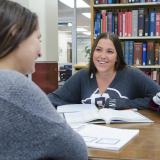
{"points": [[103, 12], [158, 24], [126, 24], [129, 24], [138, 53]]}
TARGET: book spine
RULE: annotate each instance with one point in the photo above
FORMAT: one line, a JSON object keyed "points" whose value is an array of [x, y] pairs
{"points": [[140, 22], [103, 12], [120, 23], [158, 24], [97, 25], [150, 53], [135, 23], [152, 17], [146, 23], [138, 53], [131, 52], [109, 21], [113, 22], [129, 24], [126, 51], [116, 23], [123, 24], [144, 54], [156, 59]]}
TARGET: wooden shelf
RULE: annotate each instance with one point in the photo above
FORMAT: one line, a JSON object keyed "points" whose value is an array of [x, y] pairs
{"points": [[140, 38], [80, 66], [149, 67], [124, 5]]}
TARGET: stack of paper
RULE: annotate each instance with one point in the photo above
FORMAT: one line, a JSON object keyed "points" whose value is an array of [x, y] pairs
{"points": [[103, 137]]}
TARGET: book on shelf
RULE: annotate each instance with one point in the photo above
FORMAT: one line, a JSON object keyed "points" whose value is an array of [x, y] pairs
{"points": [[134, 23], [103, 137], [83, 113], [156, 51], [137, 22], [157, 23], [138, 53], [150, 53], [152, 24], [104, 21], [144, 54], [141, 22]]}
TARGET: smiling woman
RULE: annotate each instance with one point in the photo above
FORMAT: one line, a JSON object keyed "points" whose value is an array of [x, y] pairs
{"points": [[30, 126], [108, 82]]}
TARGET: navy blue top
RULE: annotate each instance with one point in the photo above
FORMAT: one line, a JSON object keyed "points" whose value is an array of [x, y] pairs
{"points": [[131, 88]]}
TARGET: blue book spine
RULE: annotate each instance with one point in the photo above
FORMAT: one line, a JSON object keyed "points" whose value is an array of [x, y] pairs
{"points": [[110, 2], [152, 28], [97, 24], [144, 54], [130, 53], [126, 51]]}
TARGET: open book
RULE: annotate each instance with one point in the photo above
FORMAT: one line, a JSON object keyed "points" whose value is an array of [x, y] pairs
{"points": [[103, 137], [82, 113]]}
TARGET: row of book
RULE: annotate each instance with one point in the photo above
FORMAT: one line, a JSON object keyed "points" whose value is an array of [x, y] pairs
{"points": [[122, 1], [138, 22], [154, 74], [141, 53]]}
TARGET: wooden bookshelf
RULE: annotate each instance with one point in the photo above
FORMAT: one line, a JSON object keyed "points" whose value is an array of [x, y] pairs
{"points": [[147, 8], [124, 5]]}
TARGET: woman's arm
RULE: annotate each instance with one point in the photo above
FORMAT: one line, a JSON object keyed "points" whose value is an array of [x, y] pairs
{"points": [[69, 93], [140, 89]]}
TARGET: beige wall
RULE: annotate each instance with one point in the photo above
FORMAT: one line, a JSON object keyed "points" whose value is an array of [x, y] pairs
{"points": [[47, 10]]}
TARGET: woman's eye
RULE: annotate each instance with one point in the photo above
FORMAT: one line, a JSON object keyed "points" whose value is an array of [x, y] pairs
{"points": [[110, 51], [98, 49]]}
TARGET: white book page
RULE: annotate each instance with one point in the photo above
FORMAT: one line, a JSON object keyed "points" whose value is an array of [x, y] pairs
{"points": [[103, 137], [76, 108], [124, 115], [81, 117], [79, 113]]}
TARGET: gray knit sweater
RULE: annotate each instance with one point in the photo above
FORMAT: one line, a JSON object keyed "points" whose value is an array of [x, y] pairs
{"points": [[30, 127]]}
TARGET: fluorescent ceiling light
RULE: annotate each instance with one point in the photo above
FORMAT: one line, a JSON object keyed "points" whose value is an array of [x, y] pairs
{"points": [[88, 15], [81, 30], [70, 3]]}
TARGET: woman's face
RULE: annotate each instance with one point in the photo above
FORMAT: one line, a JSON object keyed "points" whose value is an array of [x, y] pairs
{"points": [[105, 56], [27, 52]]}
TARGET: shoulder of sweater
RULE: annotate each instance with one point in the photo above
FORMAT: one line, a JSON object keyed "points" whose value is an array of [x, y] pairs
{"points": [[10, 76], [132, 70], [82, 73], [10, 79]]}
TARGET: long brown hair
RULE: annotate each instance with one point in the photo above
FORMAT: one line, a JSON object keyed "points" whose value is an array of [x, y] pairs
{"points": [[120, 64], [16, 24]]}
